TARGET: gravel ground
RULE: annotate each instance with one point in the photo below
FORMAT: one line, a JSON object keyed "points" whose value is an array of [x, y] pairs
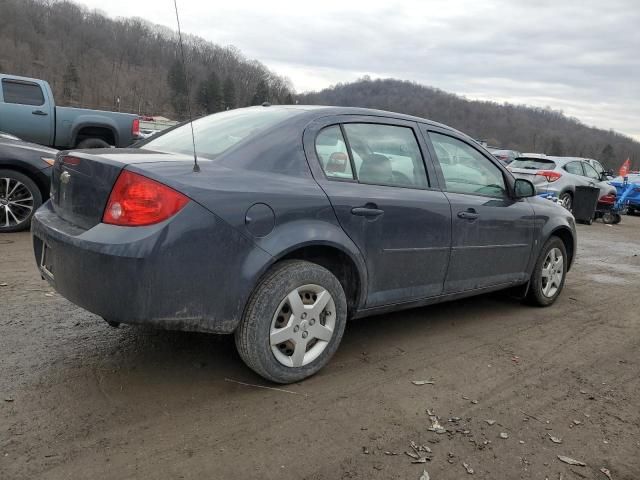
{"points": [[79, 399]]}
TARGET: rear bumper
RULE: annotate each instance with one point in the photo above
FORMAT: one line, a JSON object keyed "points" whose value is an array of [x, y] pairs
{"points": [[192, 272]]}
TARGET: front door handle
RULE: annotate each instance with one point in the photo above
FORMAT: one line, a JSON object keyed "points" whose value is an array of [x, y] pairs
{"points": [[39, 112], [369, 210], [468, 214]]}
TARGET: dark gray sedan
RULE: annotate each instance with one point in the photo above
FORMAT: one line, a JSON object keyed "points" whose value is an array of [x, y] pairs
{"points": [[296, 219]]}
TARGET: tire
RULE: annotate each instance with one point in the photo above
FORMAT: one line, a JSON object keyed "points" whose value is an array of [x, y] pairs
{"points": [[17, 209], [609, 218], [566, 200], [92, 143], [270, 316], [617, 218], [539, 294]]}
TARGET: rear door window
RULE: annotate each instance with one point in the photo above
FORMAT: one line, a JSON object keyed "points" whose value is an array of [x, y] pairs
{"points": [[386, 155], [23, 93], [332, 152], [575, 168]]}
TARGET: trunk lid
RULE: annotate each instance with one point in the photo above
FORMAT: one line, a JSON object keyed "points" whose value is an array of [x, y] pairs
{"points": [[82, 181]]}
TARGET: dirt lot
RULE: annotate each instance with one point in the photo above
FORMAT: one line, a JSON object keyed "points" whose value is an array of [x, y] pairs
{"points": [[79, 399]]}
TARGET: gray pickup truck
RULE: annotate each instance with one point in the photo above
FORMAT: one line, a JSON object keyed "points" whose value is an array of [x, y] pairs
{"points": [[27, 110]]}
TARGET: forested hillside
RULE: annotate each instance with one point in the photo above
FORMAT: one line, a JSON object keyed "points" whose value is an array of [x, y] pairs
{"points": [[91, 60], [516, 127]]}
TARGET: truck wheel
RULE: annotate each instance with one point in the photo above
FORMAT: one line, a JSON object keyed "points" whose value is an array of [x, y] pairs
{"points": [[19, 199], [549, 273], [92, 143], [293, 322]]}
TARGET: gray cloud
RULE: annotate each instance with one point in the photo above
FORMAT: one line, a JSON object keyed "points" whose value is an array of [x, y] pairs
{"points": [[578, 56]]}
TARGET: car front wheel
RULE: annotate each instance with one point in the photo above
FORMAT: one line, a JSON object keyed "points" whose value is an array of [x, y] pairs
{"points": [[549, 273], [293, 322]]}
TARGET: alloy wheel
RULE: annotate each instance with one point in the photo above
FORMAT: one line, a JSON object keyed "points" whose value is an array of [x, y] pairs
{"points": [[566, 201], [16, 202], [302, 326], [552, 272]]}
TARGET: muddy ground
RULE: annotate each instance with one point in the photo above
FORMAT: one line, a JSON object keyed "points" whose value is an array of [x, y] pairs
{"points": [[79, 399]]}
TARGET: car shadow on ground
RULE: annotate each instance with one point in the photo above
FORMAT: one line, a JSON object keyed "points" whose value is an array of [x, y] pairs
{"points": [[160, 356]]}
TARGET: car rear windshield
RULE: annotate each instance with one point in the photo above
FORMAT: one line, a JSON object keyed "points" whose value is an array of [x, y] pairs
{"points": [[533, 164], [217, 133]]}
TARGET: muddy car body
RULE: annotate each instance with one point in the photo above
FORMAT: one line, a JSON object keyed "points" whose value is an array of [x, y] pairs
{"points": [[298, 218]]}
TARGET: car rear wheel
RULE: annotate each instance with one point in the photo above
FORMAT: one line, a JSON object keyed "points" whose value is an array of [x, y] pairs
{"points": [[19, 199], [566, 200], [92, 143], [549, 273], [293, 322]]}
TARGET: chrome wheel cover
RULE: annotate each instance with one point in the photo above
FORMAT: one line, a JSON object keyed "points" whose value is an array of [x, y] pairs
{"points": [[16, 202], [552, 272], [302, 326]]}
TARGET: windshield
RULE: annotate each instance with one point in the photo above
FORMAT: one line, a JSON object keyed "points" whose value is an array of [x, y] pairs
{"points": [[216, 133], [533, 164]]}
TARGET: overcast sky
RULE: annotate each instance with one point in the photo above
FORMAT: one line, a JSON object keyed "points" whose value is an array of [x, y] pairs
{"points": [[582, 57]]}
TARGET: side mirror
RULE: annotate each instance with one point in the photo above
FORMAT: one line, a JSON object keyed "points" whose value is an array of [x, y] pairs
{"points": [[524, 188], [604, 176]]}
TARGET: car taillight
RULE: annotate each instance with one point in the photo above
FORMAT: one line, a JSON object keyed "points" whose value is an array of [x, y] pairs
{"points": [[135, 127], [550, 175], [609, 199], [71, 161], [136, 200]]}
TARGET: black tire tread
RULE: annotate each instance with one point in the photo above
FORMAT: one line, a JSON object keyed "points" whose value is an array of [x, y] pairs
{"points": [[535, 296], [245, 335], [88, 143]]}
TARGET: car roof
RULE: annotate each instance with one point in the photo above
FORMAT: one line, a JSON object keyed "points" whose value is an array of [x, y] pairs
{"points": [[319, 111]]}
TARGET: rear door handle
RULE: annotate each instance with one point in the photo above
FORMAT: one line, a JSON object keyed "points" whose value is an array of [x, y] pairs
{"points": [[367, 211], [468, 214], [39, 112]]}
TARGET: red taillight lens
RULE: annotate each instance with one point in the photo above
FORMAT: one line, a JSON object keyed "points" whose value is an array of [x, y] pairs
{"points": [[136, 200], [609, 199], [550, 175], [69, 160], [135, 127]]}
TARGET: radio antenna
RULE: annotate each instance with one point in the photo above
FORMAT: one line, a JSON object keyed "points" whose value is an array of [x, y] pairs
{"points": [[196, 167]]}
